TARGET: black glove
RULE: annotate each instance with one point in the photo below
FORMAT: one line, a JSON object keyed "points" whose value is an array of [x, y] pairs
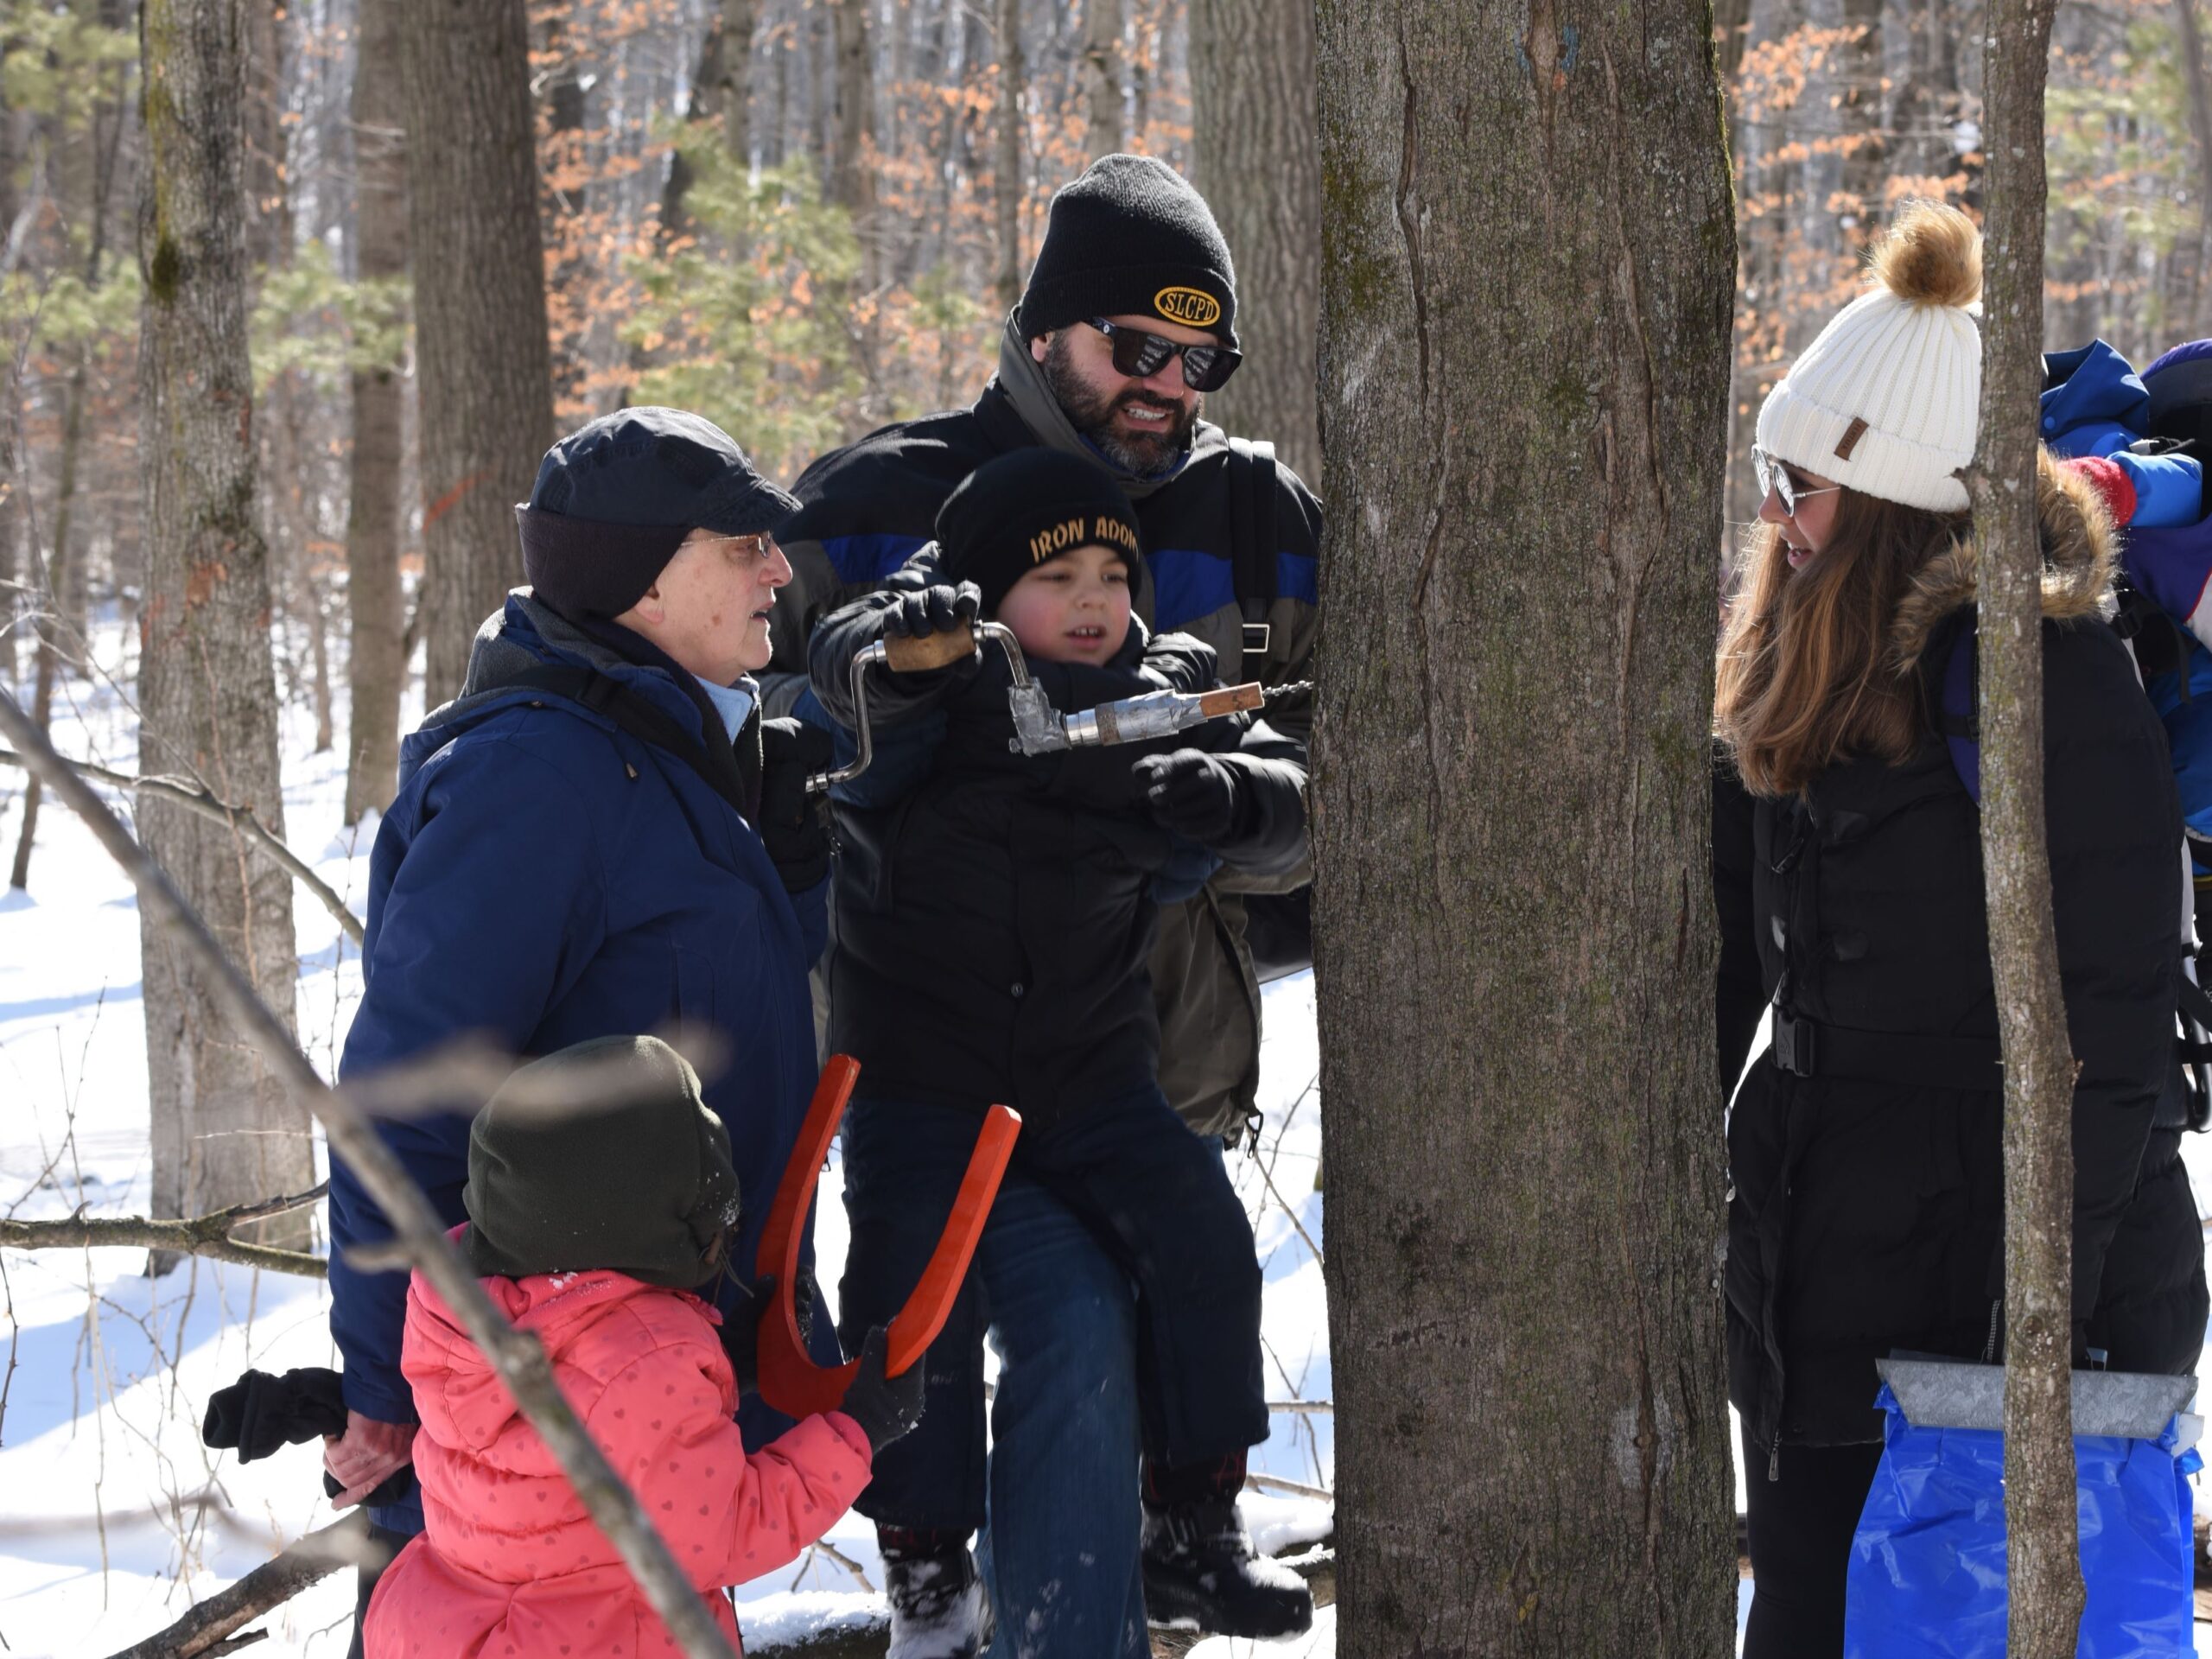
{"points": [[260, 1413], [1194, 794], [740, 1334], [791, 827], [934, 610], [884, 1406]]}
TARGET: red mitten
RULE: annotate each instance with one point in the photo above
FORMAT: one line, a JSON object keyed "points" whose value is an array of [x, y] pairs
{"points": [[2110, 480]]}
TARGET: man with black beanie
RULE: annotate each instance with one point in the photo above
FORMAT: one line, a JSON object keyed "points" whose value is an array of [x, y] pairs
{"points": [[599, 837], [1129, 318]]}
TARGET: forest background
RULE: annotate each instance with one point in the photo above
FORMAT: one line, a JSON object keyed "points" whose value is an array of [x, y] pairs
{"points": [[803, 218]]}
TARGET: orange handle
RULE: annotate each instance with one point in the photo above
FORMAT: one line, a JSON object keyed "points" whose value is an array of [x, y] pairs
{"points": [[790, 1380], [919, 654]]}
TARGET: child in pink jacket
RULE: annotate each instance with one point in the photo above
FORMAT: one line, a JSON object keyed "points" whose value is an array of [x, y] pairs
{"points": [[594, 1226]]}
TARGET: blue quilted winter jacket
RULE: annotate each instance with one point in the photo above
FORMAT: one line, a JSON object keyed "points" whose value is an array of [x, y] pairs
{"points": [[545, 878]]}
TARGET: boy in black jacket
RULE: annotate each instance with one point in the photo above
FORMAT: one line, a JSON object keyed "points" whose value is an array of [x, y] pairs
{"points": [[995, 914]]}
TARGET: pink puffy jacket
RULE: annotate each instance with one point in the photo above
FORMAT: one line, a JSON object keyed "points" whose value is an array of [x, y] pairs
{"points": [[510, 1567]]}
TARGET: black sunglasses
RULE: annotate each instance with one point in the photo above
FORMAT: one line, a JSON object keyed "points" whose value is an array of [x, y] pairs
{"points": [[1137, 354]]}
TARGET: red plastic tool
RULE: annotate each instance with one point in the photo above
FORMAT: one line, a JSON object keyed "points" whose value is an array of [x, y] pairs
{"points": [[790, 1380]]}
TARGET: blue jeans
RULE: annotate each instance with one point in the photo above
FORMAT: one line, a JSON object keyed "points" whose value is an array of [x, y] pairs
{"points": [[1060, 1553]]}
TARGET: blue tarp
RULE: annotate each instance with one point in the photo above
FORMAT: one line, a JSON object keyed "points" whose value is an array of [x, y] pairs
{"points": [[1927, 1575]]}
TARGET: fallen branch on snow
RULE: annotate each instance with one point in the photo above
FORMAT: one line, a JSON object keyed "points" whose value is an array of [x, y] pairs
{"points": [[208, 1234], [195, 798], [206, 1629]]}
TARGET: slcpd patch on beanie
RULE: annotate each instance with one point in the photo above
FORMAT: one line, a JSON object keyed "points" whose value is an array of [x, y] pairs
{"points": [[1025, 507], [615, 498], [1887, 400], [601, 1156], [1131, 237]]}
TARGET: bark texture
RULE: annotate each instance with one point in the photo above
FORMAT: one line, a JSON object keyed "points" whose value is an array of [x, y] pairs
{"points": [[376, 667], [2194, 77], [2042, 1561], [225, 1131], [1006, 167], [1256, 157], [1107, 119], [484, 374], [1528, 268]]}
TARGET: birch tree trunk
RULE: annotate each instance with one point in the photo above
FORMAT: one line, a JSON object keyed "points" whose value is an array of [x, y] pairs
{"points": [[484, 371], [2042, 1561], [1256, 159], [1527, 273], [376, 666], [225, 1130]]}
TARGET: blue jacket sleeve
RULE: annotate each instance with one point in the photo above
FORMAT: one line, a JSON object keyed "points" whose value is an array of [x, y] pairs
{"points": [[483, 917]]}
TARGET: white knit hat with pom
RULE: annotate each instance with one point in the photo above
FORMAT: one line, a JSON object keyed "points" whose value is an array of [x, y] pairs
{"points": [[1887, 400]]}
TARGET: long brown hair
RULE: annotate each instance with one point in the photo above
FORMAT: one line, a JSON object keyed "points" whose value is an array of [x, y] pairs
{"points": [[1807, 677]]}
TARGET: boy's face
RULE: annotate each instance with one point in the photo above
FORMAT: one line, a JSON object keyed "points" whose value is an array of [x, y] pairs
{"points": [[1074, 608]]}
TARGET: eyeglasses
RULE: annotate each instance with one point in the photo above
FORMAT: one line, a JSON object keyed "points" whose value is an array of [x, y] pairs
{"points": [[1137, 354], [1776, 479], [742, 549]]}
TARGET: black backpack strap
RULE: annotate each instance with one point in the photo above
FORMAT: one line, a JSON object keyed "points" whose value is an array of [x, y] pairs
{"points": [[1252, 544], [606, 696]]}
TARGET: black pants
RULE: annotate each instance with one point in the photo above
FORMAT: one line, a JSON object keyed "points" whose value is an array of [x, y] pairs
{"points": [[1800, 1528], [382, 1544]]}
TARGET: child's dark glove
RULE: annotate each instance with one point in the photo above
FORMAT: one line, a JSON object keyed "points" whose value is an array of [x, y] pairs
{"points": [[739, 1333], [1194, 794], [939, 609], [790, 826], [884, 1406]]}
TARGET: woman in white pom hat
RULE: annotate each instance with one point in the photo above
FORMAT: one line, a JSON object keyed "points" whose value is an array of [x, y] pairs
{"points": [[1864, 1145]]}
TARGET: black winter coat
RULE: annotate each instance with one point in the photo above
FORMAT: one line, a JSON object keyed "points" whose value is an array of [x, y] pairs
{"points": [[1866, 1214], [994, 920]]}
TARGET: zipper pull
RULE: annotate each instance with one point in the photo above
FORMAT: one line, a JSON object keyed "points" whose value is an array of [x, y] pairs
{"points": [[1774, 1462]]}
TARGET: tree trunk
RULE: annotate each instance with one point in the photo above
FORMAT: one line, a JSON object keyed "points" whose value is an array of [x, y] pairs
{"points": [[225, 1130], [2042, 1562], [2200, 119], [1256, 162], [1523, 365], [705, 106], [484, 374], [738, 20], [1101, 56], [376, 667], [45, 600], [852, 185], [1005, 182]]}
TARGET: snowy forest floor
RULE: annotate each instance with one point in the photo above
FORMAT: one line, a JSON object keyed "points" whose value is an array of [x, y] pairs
{"points": [[113, 1516]]}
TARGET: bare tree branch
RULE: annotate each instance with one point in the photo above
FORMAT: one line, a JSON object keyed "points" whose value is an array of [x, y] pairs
{"points": [[515, 1355], [208, 1234], [195, 798], [206, 1629]]}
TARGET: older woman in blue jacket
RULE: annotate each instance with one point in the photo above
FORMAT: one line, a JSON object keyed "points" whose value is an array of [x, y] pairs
{"points": [[600, 836]]}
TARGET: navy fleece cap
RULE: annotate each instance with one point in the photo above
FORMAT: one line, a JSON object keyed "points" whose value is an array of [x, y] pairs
{"points": [[615, 499]]}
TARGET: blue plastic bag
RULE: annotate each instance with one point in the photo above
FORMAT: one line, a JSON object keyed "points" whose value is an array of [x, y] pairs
{"points": [[1927, 1574]]}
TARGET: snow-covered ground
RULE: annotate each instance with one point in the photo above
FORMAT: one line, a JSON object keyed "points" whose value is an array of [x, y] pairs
{"points": [[113, 1517]]}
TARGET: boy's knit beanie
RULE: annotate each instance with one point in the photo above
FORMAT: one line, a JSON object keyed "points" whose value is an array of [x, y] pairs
{"points": [[601, 1156], [1887, 401], [1130, 237], [1012, 513]]}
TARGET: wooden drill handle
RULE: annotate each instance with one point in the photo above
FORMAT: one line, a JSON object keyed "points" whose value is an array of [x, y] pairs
{"points": [[918, 654], [1231, 699]]}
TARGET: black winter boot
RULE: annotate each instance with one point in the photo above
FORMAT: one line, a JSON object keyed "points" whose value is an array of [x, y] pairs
{"points": [[939, 1606], [1199, 1572]]}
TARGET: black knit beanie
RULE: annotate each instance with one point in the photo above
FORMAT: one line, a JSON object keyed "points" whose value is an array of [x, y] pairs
{"points": [[601, 1156], [615, 498], [1013, 514], [1130, 237]]}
